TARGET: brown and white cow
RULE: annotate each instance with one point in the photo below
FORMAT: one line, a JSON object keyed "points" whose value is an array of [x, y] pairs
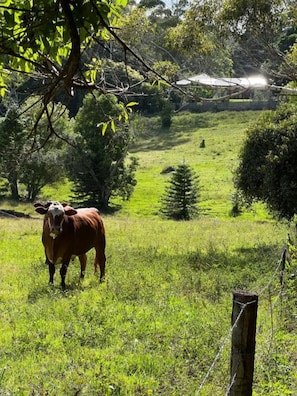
{"points": [[69, 232]]}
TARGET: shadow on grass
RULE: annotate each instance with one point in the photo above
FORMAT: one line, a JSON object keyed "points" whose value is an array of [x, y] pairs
{"points": [[263, 256], [55, 292], [164, 140], [42, 289]]}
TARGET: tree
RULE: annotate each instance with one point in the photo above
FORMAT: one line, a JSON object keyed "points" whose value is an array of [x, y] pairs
{"points": [[99, 163], [261, 29], [268, 162], [57, 43], [40, 169], [166, 115], [198, 39], [12, 152], [181, 195], [52, 42], [49, 39], [37, 160]]}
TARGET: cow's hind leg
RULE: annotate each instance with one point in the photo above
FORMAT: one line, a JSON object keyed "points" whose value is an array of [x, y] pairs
{"points": [[83, 263], [100, 260]]}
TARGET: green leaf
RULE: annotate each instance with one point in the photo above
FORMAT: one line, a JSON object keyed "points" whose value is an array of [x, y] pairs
{"points": [[130, 104], [104, 127]]}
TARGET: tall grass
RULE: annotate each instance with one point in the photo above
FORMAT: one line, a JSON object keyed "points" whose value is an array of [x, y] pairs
{"points": [[158, 322]]}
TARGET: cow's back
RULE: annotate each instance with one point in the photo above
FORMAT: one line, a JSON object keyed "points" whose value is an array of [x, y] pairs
{"points": [[84, 230]]}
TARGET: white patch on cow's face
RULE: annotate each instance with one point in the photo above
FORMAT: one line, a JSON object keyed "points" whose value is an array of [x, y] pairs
{"points": [[55, 218], [56, 209]]}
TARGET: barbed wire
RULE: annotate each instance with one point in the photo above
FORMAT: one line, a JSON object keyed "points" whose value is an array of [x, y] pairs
{"points": [[232, 381], [279, 271], [220, 350]]}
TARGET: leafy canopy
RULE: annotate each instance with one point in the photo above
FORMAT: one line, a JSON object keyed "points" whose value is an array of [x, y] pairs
{"points": [[48, 38], [31, 162]]}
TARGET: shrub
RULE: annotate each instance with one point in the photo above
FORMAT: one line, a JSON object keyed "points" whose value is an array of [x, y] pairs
{"points": [[268, 162]]}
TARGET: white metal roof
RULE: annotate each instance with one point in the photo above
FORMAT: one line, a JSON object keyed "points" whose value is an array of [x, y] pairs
{"points": [[256, 81]]}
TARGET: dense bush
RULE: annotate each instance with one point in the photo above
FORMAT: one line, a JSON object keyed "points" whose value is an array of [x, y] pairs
{"points": [[268, 162]]}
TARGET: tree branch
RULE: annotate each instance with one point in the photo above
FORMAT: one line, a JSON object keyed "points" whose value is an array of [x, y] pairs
{"points": [[72, 65]]}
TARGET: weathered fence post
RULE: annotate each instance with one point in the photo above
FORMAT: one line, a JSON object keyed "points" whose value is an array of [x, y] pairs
{"points": [[244, 317]]}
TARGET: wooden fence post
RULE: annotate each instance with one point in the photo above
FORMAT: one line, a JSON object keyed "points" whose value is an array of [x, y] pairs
{"points": [[244, 317]]}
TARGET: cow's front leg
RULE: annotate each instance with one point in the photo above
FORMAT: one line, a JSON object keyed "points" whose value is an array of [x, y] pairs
{"points": [[63, 272], [51, 270]]}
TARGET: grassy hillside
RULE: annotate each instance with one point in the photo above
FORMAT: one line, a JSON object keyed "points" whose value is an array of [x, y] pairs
{"points": [[160, 324], [223, 134], [157, 149]]}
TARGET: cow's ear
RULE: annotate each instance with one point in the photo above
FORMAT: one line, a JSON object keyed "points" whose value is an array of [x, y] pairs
{"points": [[69, 211], [37, 204], [40, 210]]}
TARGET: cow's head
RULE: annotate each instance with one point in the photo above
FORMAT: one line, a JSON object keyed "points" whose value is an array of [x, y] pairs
{"points": [[54, 215]]}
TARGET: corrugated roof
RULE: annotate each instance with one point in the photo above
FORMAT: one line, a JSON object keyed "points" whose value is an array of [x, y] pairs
{"points": [[225, 82]]}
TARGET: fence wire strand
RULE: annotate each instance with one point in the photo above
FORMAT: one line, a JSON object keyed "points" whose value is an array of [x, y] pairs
{"points": [[279, 270], [211, 368]]}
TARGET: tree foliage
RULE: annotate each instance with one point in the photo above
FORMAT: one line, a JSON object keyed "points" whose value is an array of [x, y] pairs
{"points": [[268, 162], [180, 199], [32, 161], [98, 164], [49, 39], [260, 29], [60, 44], [12, 152], [51, 42]]}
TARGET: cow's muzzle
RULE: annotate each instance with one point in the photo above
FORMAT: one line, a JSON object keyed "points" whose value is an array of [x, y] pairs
{"points": [[55, 229]]}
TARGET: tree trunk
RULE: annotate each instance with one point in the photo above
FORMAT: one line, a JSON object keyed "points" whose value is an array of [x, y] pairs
{"points": [[13, 184]]}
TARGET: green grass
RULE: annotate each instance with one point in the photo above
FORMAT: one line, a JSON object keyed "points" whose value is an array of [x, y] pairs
{"points": [[155, 325], [158, 322]]}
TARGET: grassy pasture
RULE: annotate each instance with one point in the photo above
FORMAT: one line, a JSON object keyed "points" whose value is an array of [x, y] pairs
{"points": [[157, 323], [223, 134]]}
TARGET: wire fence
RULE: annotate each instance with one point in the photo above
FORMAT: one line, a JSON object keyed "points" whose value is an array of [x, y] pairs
{"points": [[278, 272]]}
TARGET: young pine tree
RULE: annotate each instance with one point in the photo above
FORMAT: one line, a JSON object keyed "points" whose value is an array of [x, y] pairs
{"points": [[181, 195]]}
